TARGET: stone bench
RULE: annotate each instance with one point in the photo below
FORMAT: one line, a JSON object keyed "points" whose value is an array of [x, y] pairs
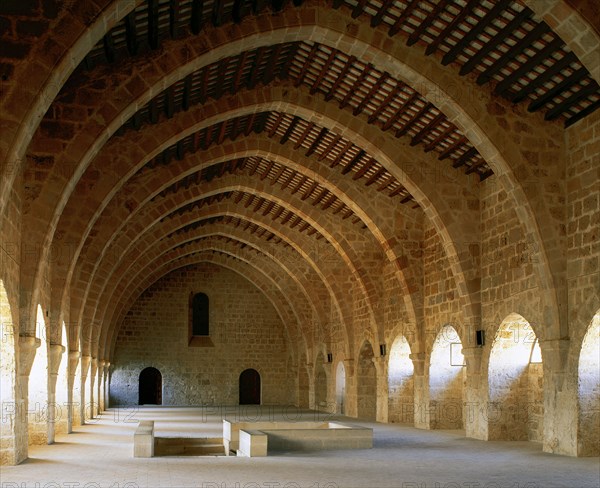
{"points": [[143, 439]]}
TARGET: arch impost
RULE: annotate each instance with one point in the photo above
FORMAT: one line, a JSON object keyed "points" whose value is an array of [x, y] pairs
{"points": [[555, 352], [418, 359], [349, 366], [473, 358], [27, 349]]}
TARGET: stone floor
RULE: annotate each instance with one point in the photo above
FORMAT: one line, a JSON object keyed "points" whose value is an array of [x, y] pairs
{"points": [[100, 454]]}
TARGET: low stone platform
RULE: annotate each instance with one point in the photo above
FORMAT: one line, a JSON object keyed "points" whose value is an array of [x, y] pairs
{"points": [[254, 439]]}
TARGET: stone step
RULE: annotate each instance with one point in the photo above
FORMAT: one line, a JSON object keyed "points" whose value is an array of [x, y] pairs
{"points": [[188, 446]]}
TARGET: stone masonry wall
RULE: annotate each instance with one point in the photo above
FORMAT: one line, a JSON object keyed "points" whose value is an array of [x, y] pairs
{"points": [[244, 327]]}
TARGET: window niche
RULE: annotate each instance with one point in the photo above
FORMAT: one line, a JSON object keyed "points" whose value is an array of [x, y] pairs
{"points": [[199, 318]]}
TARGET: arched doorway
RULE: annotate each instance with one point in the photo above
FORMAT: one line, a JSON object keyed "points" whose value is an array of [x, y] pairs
{"points": [[400, 383], [589, 391], [366, 383], [446, 381], [340, 388], [150, 392], [515, 374], [249, 387]]}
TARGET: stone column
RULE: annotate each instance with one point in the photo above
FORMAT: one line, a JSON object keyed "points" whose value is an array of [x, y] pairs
{"points": [[35, 414], [560, 399], [106, 385], [27, 350], [351, 393], [421, 391], [74, 401], [55, 352], [100, 392], [93, 395], [475, 416], [85, 370], [381, 366]]}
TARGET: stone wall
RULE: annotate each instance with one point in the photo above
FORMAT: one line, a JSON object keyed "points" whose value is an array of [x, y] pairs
{"points": [[244, 328]]}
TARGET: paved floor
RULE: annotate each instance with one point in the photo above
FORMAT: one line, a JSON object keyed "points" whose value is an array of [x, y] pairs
{"points": [[100, 455]]}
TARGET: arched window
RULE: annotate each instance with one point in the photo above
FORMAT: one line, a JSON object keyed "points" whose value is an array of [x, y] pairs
{"points": [[200, 315]]}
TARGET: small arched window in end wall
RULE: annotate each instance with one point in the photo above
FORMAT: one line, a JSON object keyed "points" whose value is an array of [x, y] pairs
{"points": [[199, 331]]}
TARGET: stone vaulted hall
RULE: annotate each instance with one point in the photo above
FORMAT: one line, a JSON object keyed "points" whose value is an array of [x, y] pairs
{"points": [[299, 243]]}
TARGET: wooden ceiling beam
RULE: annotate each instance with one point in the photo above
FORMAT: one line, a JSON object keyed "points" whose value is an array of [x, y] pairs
{"points": [[462, 160], [394, 29], [196, 16], [358, 8], [180, 150], [341, 154], [561, 107], [267, 170], [288, 180], [269, 73], [217, 13], [221, 75], [304, 135], [253, 78], [371, 94], [474, 167], [268, 208], [342, 75], [320, 197], [310, 190], [474, 31], [329, 147], [432, 47], [363, 170], [284, 71], [250, 124], [353, 162], [324, 70], [434, 122], [407, 125], [451, 148], [356, 85], [222, 132], [109, 47], [404, 105], [439, 138], [383, 105], [378, 17], [239, 71], [276, 125], [299, 184], [204, 84], [373, 178], [539, 57], [278, 175], [290, 130], [526, 42], [237, 12], [307, 64], [187, 92], [131, 34], [153, 110], [174, 18], [500, 36], [564, 85], [543, 78], [315, 144], [153, 39], [235, 129], [582, 113], [169, 102], [427, 21]]}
